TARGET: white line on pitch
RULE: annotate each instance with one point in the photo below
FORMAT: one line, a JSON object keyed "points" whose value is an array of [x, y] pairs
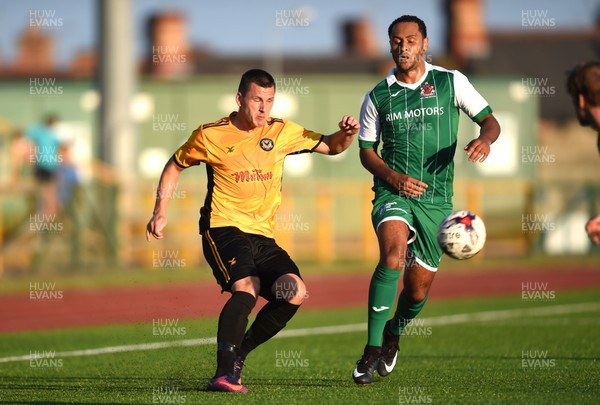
{"points": [[329, 330]]}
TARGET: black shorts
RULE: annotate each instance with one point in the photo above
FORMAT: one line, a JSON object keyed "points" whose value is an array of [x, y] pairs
{"points": [[44, 175], [233, 255]]}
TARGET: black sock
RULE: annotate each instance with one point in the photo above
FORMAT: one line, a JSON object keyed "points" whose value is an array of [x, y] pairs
{"points": [[232, 324], [373, 350], [269, 321]]}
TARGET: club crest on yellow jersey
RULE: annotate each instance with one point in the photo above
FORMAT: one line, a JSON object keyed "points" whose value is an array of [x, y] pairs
{"points": [[266, 144]]}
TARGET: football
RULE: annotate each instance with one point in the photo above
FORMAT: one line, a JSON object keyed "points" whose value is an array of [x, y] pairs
{"points": [[461, 235]]}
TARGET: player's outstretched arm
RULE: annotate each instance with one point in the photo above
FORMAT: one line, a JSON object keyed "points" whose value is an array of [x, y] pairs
{"points": [[339, 141], [405, 184], [479, 149], [166, 186]]}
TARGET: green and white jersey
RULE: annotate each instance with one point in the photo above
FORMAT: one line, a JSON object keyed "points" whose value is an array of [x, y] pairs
{"points": [[416, 126]]}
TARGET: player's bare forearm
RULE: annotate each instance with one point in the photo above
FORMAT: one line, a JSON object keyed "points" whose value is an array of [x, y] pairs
{"points": [[489, 129], [339, 141], [166, 186], [479, 149], [402, 182], [375, 164]]}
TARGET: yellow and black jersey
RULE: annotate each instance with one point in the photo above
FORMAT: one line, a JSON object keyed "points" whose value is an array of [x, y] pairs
{"points": [[244, 170]]}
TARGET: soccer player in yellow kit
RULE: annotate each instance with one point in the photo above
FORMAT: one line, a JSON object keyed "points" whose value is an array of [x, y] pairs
{"points": [[244, 155]]}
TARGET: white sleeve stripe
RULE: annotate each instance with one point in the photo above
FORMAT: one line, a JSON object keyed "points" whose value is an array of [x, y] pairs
{"points": [[467, 98], [369, 121]]}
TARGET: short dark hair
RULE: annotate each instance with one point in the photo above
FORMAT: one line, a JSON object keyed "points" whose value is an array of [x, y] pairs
{"points": [[256, 76], [408, 18], [584, 79]]}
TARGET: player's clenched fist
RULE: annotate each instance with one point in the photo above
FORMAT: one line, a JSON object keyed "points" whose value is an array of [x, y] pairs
{"points": [[155, 226], [349, 125], [593, 229]]}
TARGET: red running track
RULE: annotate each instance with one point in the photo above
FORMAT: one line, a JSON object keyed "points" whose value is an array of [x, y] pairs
{"points": [[203, 299]]}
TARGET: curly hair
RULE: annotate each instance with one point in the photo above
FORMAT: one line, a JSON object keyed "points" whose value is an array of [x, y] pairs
{"points": [[409, 18]]}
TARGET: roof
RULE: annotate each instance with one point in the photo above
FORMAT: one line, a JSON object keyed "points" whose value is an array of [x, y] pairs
{"points": [[541, 59]]}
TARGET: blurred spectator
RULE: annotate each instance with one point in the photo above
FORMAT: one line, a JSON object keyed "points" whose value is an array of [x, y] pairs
{"points": [[67, 176], [46, 160], [20, 155], [583, 85]]}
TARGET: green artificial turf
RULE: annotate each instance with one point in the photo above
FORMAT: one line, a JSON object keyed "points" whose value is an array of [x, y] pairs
{"points": [[522, 357]]}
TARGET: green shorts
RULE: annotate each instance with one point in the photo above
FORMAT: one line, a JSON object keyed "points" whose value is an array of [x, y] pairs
{"points": [[422, 219]]}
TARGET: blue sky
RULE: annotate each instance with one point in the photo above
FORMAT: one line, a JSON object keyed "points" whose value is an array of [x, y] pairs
{"points": [[248, 27]]}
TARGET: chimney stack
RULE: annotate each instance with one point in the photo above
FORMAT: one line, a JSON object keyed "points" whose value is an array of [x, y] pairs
{"points": [[35, 52], [170, 51], [466, 35], [359, 39]]}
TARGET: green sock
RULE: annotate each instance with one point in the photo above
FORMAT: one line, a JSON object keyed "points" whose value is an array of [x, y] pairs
{"points": [[405, 312], [382, 295]]}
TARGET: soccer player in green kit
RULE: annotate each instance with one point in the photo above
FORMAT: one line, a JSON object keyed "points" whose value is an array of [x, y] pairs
{"points": [[412, 115]]}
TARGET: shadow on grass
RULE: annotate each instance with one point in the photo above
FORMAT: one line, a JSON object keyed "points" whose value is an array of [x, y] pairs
{"points": [[57, 403], [286, 383], [131, 389], [98, 389], [52, 403], [475, 357]]}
